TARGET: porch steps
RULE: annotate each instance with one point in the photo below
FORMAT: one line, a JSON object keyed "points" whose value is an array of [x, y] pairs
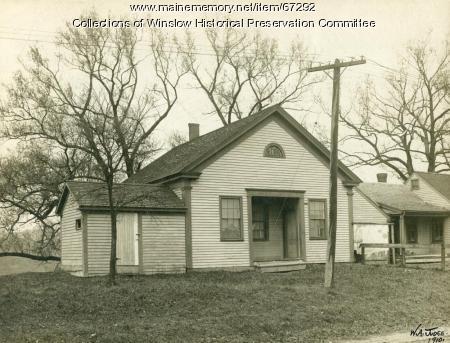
{"points": [[279, 266]]}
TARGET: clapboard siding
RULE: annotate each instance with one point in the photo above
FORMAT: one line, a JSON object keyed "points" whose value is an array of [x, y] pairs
{"points": [[243, 166], [163, 244], [365, 211], [428, 193], [71, 239], [99, 243]]}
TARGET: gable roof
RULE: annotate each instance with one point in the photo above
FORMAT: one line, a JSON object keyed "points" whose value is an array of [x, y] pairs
{"points": [[440, 182], [94, 195], [183, 159], [398, 198]]}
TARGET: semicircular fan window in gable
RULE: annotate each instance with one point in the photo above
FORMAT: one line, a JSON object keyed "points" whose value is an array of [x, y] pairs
{"points": [[274, 150]]}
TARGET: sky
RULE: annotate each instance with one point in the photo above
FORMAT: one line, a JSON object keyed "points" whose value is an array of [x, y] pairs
{"points": [[24, 23]]}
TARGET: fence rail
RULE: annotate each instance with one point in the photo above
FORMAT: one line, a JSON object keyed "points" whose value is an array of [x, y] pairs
{"points": [[402, 248]]}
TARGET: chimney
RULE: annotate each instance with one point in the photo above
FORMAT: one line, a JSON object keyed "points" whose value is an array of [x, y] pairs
{"points": [[194, 130], [382, 177]]}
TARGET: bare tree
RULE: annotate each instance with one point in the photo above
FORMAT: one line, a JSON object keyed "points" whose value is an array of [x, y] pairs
{"points": [[89, 101], [176, 138], [406, 127], [247, 73], [30, 184]]}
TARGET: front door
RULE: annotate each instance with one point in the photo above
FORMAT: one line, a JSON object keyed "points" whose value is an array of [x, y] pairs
{"points": [[291, 233], [127, 240]]}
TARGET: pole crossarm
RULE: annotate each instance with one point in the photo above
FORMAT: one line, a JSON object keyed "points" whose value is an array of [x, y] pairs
{"points": [[336, 65]]}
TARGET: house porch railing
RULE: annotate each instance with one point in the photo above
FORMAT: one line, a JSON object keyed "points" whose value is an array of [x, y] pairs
{"points": [[402, 248]]}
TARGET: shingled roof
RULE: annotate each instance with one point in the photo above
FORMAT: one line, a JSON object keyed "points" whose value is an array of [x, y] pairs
{"points": [[398, 198], [440, 182], [183, 159], [94, 195]]}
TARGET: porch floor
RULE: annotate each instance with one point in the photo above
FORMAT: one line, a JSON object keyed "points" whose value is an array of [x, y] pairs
{"points": [[279, 266]]}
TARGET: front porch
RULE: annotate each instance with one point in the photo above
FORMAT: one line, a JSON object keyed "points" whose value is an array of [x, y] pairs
{"points": [[276, 236], [424, 233]]}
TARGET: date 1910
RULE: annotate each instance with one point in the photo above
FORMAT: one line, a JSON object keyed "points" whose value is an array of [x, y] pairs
{"points": [[434, 334]]}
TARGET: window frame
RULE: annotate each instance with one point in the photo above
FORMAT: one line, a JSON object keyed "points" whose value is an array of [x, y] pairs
{"points": [[325, 202], [415, 184], [265, 222], [437, 223], [241, 221], [78, 227], [278, 146]]}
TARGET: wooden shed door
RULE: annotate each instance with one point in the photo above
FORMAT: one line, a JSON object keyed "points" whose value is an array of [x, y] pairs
{"points": [[127, 239]]}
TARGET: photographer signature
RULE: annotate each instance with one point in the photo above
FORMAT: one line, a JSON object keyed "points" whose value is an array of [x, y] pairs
{"points": [[434, 333]]}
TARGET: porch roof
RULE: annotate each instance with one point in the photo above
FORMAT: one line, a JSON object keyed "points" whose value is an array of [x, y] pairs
{"points": [[94, 195], [394, 199]]}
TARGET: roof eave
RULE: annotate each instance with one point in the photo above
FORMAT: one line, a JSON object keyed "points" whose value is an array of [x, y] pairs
{"points": [[134, 209]]}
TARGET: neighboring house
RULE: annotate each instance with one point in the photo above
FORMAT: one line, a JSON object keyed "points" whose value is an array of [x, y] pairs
{"points": [[251, 194], [370, 225], [419, 210]]}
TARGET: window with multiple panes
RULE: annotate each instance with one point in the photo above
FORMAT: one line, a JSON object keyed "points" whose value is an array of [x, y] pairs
{"points": [[436, 231], [317, 218], [411, 233], [414, 184], [260, 221], [274, 150], [230, 219]]}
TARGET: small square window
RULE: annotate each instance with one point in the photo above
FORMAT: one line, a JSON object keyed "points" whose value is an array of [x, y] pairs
{"points": [[77, 224], [414, 184]]}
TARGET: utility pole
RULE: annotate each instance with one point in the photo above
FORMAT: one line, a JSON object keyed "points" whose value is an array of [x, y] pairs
{"points": [[331, 244]]}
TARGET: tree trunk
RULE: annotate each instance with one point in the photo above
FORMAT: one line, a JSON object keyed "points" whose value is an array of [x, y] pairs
{"points": [[113, 215], [113, 257]]}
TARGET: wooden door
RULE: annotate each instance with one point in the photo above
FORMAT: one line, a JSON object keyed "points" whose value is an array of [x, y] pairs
{"points": [[127, 239], [291, 243]]}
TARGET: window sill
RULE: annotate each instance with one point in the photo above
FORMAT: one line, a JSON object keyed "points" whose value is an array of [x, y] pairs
{"points": [[317, 239]]}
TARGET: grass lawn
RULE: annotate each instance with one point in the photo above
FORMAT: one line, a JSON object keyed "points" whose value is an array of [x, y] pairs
{"points": [[222, 306]]}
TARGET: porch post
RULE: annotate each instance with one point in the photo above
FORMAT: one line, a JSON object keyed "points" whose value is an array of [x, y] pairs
{"points": [[301, 229], [403, 238], [391, 230], [443, 253]]}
